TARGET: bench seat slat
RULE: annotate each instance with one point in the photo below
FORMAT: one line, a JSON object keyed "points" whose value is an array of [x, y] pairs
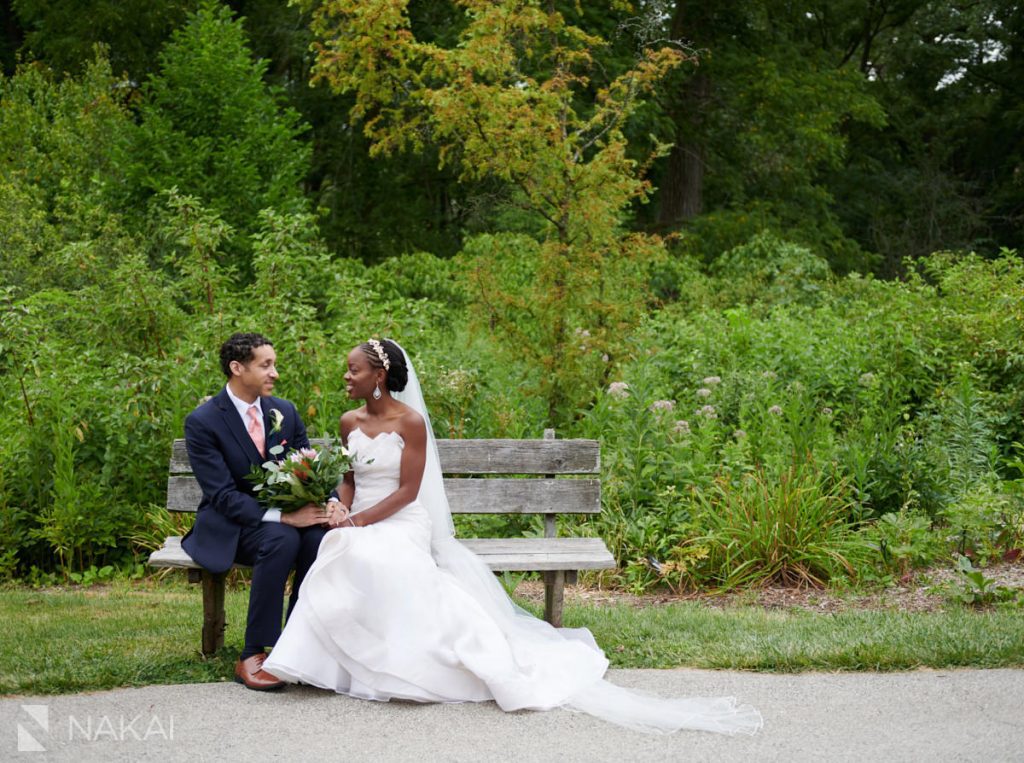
{"points": [[541, 554], [486, 456], [500, 554], [466, 496]]}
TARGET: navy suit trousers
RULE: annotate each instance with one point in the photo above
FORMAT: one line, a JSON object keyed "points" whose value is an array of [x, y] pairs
{"points": [[273, 549]]}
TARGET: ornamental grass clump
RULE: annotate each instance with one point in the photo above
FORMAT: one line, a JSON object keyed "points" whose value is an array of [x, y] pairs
{"points": [[791, 528]]}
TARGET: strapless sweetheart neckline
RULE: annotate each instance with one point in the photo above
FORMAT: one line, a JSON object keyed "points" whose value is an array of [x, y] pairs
{"points": [[375, 437]]}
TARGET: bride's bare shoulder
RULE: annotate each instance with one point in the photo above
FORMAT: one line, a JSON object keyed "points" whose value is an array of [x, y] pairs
{"points": [[349, 420], [411, 421]]}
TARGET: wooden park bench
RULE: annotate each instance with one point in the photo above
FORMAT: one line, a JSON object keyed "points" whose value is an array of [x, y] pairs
{"points": [[473, 488]]}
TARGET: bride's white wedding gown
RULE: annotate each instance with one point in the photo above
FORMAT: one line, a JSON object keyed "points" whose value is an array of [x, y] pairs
{"points": [[378, 619]]}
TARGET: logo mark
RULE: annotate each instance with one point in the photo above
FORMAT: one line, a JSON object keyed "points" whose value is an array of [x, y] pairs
{"points": [[40, 714]]}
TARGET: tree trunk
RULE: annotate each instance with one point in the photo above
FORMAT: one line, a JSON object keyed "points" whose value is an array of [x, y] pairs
{"points": [[681, 194], [682, 190]]}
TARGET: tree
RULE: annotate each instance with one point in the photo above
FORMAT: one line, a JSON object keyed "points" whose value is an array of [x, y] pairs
{"points": [[368, 207], [212, 129], [64, 32], [945, 171], [760, 121], [506, 103]]}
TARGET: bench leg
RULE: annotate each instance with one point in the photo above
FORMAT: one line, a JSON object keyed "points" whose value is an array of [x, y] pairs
{"points": [[213, 612], [554, 591]]}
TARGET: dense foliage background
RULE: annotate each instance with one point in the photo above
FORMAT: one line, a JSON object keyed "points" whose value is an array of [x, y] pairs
{"points": [[765, 252]]}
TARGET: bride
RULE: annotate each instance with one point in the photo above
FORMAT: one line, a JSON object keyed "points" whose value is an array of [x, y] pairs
{"points": [[395, 608]]}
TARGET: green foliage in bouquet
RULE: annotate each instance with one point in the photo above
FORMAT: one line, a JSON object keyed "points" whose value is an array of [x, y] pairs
{"points": [[306, 475]]}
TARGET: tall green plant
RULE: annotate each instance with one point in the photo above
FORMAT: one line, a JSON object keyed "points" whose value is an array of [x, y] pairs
{"points": [[792, 528]]}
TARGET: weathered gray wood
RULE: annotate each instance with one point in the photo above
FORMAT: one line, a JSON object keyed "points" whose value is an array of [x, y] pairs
{"points": [[505, 495], [550, 521], [183, 493], [541, 554], [487, 456], [554, 594], [533, 545], [523, 496], [171, 554], [500, 554]]}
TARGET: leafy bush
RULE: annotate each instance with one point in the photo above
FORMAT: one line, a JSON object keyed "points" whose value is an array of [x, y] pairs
{"points": [[978, 590], [770, 269], [789, 528], [904, 541]]}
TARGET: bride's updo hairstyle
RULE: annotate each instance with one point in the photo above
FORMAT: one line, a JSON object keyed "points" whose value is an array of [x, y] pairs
{"points": [[398, 374]]}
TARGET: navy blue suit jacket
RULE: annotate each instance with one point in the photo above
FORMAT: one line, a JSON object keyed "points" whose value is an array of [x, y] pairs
{"points": [[222, 454]]}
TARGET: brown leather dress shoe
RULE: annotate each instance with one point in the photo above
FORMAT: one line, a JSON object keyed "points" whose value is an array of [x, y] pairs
{"points": [[251, 673]]}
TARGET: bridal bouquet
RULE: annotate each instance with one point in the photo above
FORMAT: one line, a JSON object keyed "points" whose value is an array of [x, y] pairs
{"points": [[307, 475]]}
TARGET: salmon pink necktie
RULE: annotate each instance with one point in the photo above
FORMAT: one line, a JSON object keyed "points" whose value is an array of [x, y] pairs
{"points": [[256, 428]]}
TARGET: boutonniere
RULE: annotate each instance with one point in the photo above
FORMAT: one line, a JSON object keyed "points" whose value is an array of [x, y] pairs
{"points": [[276, 419]]}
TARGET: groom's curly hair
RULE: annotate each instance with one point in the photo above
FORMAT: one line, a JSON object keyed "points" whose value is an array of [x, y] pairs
{"points": [[239, 347], [398, 374]]}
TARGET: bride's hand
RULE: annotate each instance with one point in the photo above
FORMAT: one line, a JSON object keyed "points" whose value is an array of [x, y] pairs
{"points": [[337, 514]]}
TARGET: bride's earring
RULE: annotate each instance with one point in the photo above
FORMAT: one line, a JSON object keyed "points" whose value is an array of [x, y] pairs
{"points": [[376, 392]]}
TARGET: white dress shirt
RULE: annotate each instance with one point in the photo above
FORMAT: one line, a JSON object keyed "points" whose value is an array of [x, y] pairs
{"points": [[270, 515]]}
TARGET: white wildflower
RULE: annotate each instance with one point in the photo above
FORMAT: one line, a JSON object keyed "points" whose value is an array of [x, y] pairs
{"points": [[707, 411], [619, 390]]}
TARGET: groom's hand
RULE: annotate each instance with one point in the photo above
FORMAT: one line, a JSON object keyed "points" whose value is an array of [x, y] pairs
{"points": [[307, 516]]}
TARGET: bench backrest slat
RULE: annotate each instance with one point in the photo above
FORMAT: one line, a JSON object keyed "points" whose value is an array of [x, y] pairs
{"points": [[465, 496], [487, 456], [475, 495]]}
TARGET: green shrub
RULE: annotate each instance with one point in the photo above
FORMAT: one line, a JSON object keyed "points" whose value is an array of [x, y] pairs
{"points": [[789, 528], [904, 541], [767, 268]]}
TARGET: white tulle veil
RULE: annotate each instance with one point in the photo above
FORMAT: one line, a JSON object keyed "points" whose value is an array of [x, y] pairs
{"points": [[599, 697]]}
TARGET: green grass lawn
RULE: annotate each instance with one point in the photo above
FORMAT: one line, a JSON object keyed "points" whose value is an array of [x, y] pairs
{"points": [[58, 641]]}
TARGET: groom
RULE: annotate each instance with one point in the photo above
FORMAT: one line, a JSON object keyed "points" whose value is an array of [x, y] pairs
{"points": [[226, 436]]}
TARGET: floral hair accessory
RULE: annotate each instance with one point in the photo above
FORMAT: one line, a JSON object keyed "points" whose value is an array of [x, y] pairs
{"points": [[381, 355]]}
